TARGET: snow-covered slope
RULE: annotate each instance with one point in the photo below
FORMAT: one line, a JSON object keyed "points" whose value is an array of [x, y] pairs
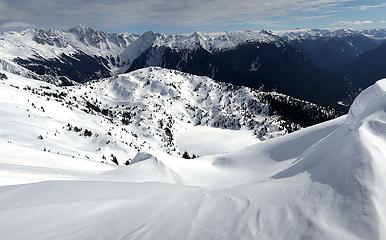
{"points": [[322, 182], [144, 110]]}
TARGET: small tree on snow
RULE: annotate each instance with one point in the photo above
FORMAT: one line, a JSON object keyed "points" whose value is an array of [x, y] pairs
{"points": [[186, 155], [3, 76], [114, 159]]}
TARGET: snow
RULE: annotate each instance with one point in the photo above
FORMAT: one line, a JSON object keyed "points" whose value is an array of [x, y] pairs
{"points": [[368, 102], [153, 100], [204, 141], [322, 182], [255, 65]]}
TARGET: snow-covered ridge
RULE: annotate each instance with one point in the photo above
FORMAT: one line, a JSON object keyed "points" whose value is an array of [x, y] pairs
{"points": [[143, 110], [303, 34], [216, 41]]}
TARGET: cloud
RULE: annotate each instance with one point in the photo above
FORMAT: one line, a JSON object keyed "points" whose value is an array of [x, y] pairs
{"points": [[367, 7], [357, 23], [15, 25], [313, 17], [123, 13]]}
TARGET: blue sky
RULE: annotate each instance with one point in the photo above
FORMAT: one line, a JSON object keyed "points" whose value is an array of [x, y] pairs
{"points": [[183, 16]]}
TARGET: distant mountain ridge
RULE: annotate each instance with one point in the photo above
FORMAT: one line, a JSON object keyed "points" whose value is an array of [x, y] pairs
{"points": [[330, 50], [299, 63]]}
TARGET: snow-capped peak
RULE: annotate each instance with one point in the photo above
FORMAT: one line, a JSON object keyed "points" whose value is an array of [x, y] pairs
{"points": [[81, 29], [50, 37]]}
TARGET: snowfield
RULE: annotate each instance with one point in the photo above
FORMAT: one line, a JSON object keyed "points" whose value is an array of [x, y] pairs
{"points": [[322, 182], [203, 140]]}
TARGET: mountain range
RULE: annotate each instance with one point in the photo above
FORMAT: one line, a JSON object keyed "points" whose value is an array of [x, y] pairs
{"points": [[310, 64]]}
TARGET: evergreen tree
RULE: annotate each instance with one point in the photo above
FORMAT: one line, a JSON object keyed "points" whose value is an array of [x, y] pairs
{"points": [[186, 155], [114, 159]]}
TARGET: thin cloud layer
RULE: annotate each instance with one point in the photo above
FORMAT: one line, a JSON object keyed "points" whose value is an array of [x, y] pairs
{"points": [[367, 7], [15, 25], [117, 13], [352, 23], [178, 14]]}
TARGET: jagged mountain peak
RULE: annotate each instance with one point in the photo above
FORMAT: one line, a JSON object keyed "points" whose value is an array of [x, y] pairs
{"points": [[50, 37], [79, 28]]}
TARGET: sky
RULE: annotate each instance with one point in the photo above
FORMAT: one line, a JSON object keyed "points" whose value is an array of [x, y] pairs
{"points": [[184, 16]]}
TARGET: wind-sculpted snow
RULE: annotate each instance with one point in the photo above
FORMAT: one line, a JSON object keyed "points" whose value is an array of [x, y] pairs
{"points": [[322, 182], [369, 102], [351, 160]]}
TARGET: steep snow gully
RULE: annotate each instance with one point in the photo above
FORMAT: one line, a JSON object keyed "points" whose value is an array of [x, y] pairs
{"points": [[323, 182]]}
